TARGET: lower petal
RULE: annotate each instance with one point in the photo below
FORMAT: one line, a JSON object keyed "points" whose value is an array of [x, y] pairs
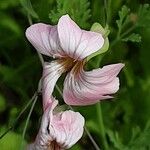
{"points": [[88, 88]]}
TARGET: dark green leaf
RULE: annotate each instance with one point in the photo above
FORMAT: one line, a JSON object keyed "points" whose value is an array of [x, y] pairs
{"points": [[133, 38], [74, 10], [122, 16]]}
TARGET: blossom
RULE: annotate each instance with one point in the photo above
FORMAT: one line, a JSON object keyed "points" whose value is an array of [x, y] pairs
{"points": [[59, 130], [70, 46]]}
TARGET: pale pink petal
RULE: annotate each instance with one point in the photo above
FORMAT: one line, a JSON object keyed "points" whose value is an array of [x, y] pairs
{"points": [[67, 128], [88, 88], [43, 140], [45, 39], [51, 72], [63, 128], [77, 43]]}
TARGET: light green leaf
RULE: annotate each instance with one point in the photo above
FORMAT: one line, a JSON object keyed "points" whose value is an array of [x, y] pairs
{"points": [[133, 38], [11, 141], [96, 27]]}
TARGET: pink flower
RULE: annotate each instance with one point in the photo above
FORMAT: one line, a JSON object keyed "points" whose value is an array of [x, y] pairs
{"points": [[58, 131], [70, 46]]}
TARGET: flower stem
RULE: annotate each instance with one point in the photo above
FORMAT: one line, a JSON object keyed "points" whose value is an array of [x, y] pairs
{"points": [[106, 12], [101, 126], [91, 138], [28, 118]]}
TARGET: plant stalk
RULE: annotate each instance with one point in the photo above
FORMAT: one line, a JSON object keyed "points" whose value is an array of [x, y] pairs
{"points": [[101, 126]]}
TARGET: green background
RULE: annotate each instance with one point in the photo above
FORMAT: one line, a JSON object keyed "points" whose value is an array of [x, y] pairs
{"points": [[126, 118]]}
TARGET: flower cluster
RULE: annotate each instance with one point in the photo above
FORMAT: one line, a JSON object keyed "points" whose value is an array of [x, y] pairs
{"points": [[69, 46]]}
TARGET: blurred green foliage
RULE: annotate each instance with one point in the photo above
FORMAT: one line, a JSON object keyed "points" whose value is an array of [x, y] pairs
{"points": [[126, 117], [11, 141]]}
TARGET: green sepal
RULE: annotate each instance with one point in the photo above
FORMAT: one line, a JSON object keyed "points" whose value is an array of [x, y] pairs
{"points": [[96, 27]]}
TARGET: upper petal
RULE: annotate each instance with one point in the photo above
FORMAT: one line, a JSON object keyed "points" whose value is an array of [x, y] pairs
{"points": [[51, 72], [88, 88], [77, 43], [45, 39]]}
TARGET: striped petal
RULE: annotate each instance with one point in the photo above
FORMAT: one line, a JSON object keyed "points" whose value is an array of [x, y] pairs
{"points": [[88, 88], [77, 43], [51, 72], [67, 128], [58, 131], [45, 39]]}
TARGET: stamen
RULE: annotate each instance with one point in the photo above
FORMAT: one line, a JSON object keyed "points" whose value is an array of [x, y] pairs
{"points": [[77, 67], [53, 146], [72, 65]]}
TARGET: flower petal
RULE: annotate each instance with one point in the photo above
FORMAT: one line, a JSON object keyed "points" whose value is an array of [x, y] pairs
{"points": [[61, 130], [43, 140], [88, 88], [77, 43], [51, 72], [67, 128], [45, 39]]}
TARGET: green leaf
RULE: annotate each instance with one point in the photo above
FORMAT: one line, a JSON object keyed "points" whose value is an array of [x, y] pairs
{"points": [[115, 139], [11, 141], [73, 8], [28, 7], [96, 27], [141, 138], [123, 16], [133, 38]]}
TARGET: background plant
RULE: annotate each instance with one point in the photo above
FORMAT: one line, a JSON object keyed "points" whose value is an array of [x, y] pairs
{"points": [[126, 117]]}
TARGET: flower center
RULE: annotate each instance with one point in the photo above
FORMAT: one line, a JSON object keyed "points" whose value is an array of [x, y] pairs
{"points": [[69, 64], [54, 146]]}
